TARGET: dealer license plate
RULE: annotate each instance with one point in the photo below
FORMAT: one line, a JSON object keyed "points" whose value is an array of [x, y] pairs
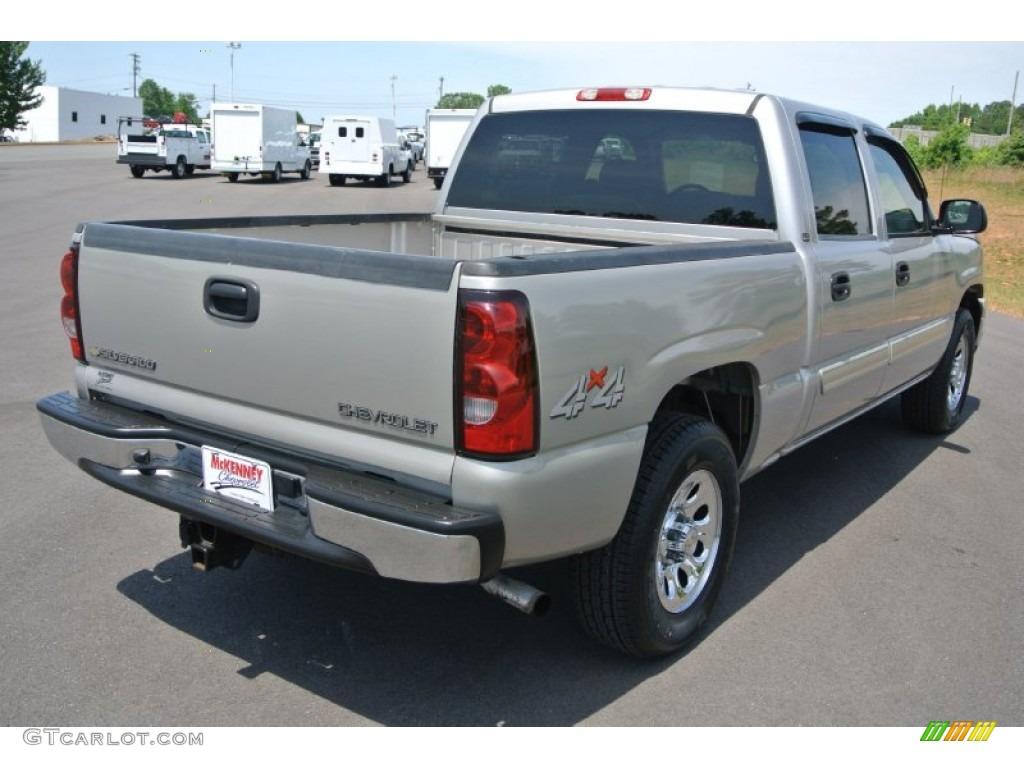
{"points": [[238, 477]]}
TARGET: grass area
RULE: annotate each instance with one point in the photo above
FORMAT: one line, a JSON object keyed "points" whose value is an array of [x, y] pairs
{"points": [[1001, 191]]}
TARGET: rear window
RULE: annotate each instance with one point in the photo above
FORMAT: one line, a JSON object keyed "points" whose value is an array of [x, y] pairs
{"points": [[685, 167]]}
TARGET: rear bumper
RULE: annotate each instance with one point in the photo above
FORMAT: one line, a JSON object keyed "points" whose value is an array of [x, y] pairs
{"points": [[324, 513], [146, 161]]}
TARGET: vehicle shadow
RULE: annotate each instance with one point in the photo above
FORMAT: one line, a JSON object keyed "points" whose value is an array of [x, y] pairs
{"points": [[415, 655]]}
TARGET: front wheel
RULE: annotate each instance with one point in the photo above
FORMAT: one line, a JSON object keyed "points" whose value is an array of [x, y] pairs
{"points": [[650, 590], [936, 404]]}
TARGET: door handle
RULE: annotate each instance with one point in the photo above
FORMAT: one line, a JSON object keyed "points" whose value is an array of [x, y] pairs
{"points": [[230, 299], [840, 286], [902, 273]]}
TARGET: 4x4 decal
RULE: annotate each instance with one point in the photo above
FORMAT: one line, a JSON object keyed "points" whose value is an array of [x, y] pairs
{"points": [[602, 389]]}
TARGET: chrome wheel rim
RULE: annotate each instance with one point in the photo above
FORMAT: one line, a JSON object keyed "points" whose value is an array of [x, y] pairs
{"points": [[957, 376], [688, 541]]}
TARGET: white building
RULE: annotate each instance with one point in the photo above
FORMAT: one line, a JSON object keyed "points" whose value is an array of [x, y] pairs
{"points": [[66, 114]]}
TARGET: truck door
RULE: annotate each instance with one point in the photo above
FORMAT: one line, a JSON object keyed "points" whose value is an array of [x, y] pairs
{"points": [[855, 282], [353, 141], [922, 321]]}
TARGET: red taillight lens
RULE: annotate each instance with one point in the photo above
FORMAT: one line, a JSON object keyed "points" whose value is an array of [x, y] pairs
{"points": [[69, 314], [496, 399]]}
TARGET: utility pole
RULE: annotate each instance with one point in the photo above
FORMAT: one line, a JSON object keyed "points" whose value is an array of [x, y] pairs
{"points": [[393, 109], [440, 90], [1013, 101], [136, 68], [234, 47]]}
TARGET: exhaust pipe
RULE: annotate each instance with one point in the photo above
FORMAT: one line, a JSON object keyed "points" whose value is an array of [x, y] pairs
{"points": [[517, 594]]}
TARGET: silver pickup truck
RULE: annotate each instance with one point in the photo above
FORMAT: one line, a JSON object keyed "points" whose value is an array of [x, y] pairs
{"points": [[627, 302]]}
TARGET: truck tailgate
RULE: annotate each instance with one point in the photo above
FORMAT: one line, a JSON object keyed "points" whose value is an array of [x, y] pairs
{"points": [[354, 343]]}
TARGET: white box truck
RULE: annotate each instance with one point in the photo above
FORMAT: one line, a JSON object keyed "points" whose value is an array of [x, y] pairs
{"points": [[253, 139], [445, 129], [364, 148]]}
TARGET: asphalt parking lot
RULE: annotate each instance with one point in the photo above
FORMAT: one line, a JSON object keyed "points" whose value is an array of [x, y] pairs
{"points": [[876, 581]]}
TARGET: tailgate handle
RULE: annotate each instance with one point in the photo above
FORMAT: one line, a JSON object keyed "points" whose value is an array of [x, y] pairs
{"points": [[231, 299]]}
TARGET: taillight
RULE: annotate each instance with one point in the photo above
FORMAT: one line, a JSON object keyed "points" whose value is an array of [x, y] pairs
{"points": [[496, 376], [69, 314], [614, 94]]}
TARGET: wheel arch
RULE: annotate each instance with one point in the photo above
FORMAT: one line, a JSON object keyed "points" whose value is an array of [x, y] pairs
{"points": [[973, 301], [727, 395]]}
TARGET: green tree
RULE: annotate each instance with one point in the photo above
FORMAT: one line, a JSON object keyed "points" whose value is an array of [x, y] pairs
{"points": [[913, 146], [156, 100], [19, 79], [298, 117], [949, 147], [1011, 151], [460, 100], [188, 103], [497, 90]]}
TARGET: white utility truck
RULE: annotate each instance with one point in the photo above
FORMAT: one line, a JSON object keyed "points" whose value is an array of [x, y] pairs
{"points": [[445, 129], [144, 144], [258, 140], [364, 148]]}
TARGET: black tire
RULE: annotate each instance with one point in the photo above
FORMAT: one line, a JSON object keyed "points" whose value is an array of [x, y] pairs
{"points": [[276, 174], [407, 174], [936, 405], [306, 169], [137, 171], [178, 170], [232, 177], [649, 591], [438, 181], [385, 179], [189, 170], [336, 179]]}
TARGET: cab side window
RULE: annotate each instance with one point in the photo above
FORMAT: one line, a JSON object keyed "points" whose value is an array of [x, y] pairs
{"points": [[837, 180], [902, 194]]}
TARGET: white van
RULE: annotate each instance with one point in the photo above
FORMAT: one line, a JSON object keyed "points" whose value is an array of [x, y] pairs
{"points": [[364, 148]]}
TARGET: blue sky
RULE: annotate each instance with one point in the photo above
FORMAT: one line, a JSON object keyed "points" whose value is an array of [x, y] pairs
{"points": [[882, 80]]}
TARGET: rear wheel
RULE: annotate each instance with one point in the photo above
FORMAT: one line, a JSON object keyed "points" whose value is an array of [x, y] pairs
{"points": [[649, 591], [232, 177], [137, 171], [306, 170], [275, 176], [178, 170], [936, 404], [407, 174], [438, 181], [385, 179], [336, 179]]}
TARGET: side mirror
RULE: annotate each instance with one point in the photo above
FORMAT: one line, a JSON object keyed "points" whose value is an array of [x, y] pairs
{"points": [[963, 217]]}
